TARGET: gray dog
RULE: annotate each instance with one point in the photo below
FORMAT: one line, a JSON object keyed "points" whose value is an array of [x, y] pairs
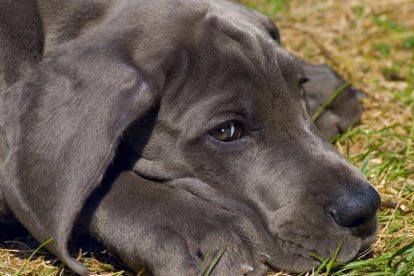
{"points": [[172, 131]]}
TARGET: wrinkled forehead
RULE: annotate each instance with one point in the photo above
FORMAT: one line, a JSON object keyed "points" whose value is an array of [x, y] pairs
{"points": [[233, 88], [235, 62], [238, 41], [242, 16]]}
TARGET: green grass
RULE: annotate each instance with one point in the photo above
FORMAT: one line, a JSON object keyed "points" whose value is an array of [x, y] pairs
{"points": [[26, 263], [268, 7], [330, 100], [208, 267]]}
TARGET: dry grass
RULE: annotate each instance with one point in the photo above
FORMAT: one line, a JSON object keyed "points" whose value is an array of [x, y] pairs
{"points": [[371, 43], [16, 247]]}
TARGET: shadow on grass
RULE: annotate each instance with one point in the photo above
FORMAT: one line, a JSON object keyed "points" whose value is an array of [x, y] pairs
{"points": [[18, 244]]}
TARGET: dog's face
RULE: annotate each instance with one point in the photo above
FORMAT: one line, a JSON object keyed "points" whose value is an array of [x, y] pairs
{"points": [[226, 110], [235, 121]]}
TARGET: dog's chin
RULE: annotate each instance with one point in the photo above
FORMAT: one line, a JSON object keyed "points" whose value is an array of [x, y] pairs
{"points": [[302, 257], [303, 248]]}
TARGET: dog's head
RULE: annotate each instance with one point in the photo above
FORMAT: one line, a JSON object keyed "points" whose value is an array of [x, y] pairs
{"points": [[202, 90], [236, 122]]}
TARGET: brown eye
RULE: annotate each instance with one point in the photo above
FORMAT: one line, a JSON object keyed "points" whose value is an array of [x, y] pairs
{"points": [[303, 79], [227, 132]]}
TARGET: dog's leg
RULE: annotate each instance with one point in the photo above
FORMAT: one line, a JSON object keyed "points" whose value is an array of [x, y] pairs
{"points": [[21, 39], [173, 229], [5, 216], [344, 109], [3, 207]]}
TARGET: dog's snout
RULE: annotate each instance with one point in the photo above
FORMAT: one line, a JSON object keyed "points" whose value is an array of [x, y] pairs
{"points": [[357, 209]]}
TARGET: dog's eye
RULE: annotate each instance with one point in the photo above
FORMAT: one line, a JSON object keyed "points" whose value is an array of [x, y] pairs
{"points": [[303, 79], [227, 132]]}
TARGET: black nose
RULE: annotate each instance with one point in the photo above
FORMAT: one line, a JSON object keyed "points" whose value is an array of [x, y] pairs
{"points": [[357, 208]]}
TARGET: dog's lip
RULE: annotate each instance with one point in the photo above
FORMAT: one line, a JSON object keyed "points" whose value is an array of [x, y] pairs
{"points": [[364, 245], [369, 236], [371, 231]]}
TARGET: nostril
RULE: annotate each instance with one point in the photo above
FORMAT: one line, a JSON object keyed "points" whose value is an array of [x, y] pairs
{"points": [[350, 219], [358, 222]]}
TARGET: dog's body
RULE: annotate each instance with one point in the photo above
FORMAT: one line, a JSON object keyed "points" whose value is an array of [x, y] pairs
{"points": [[202, 111]]}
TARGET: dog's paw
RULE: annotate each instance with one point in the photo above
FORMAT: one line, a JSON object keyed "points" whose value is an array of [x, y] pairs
{"points": [[342, 112], [174, 230], [227, 245], [221, 246]]}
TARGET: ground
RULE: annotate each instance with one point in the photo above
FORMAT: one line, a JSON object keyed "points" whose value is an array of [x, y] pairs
{"points": [[370, 43]]}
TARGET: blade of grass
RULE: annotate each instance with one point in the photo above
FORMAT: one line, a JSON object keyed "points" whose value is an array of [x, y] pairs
{"points": [[329, 100], [206, 257], [321, 266], [214, 262], [332, 260], [23, 267], [399, 252]]}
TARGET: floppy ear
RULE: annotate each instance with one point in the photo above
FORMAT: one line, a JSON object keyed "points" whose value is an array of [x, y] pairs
{"points": [[63, 124]]}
